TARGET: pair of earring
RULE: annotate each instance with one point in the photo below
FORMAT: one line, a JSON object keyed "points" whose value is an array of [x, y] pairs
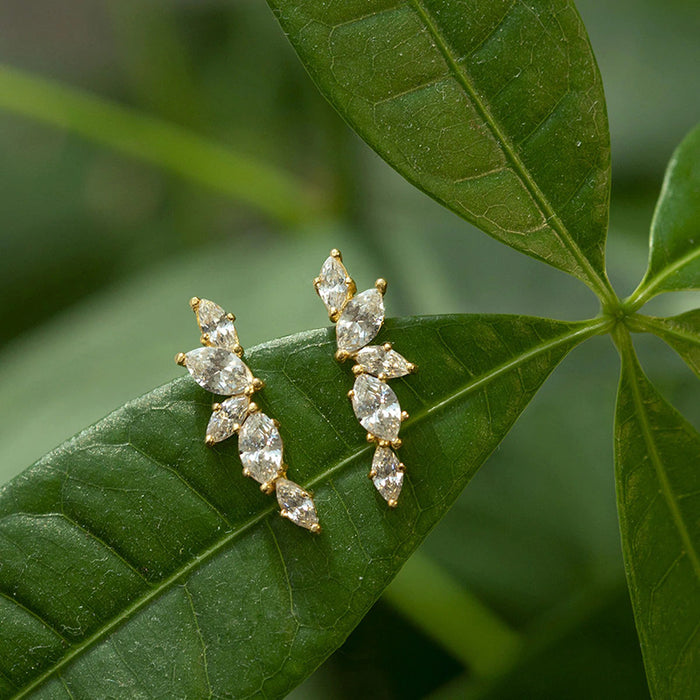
{"points": [[218, 368]]}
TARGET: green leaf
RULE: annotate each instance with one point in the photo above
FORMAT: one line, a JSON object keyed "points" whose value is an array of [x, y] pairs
{"points": [[674, 257], [657, 455], [137, 561], [272, 191], [681, 332], [494, 108]]}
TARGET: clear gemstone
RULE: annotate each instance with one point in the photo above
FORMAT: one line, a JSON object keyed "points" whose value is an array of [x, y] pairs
{"points": [[360, 321], [377, 360], [218, 370], [296, 504], [332, 286], [387, 474], [376, 407], [225, 421], [215, 324], [260, 448]]}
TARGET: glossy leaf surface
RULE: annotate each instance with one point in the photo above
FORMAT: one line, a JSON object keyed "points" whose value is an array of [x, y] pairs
{"points": [[495, 109], [136, 561], [658, 482], [674, 257], [681, 332]]}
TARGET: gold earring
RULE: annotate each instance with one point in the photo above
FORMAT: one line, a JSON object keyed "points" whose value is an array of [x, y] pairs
{"points": [[358, 319], [218, 367]]}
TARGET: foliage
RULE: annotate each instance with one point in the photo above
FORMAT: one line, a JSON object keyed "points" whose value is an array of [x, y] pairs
{"points": [[496, 110]]}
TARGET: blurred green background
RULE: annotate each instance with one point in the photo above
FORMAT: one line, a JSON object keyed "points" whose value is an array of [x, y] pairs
{"points": [[159, 149]]}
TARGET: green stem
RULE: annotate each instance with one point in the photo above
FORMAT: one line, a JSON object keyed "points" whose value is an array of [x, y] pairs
{"points": [[273, 192], [436, 603], [538, 642]]}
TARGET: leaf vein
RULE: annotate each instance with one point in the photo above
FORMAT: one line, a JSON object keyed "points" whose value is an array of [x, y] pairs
{"points": [[198, 629], [35, 615], [557, 225], [579, 333], [187, 484]]}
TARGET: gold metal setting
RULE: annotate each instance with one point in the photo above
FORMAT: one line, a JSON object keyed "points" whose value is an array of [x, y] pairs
{"points": [[389, 481], [230, 417]]}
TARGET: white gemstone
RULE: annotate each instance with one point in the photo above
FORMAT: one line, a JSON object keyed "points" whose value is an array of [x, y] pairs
{"points": [[387, 474], [360, 321], [260, 448], [377, 360], [225, 421], [332, 285], [296, 504], [376, 407], [218, 370], [216, 325]]}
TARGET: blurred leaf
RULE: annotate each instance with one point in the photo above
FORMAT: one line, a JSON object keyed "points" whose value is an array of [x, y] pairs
{"points": [[594, 654], [650, 43], [451, 615], [496, 109], [260, 185], [681, 332], [144, 521], [657, 455], [674, 258]]}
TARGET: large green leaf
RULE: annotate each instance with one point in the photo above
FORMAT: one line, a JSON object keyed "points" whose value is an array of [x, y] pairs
{"points": [[681, 332], [658, 481], [674, 257], [494, 108], [136, 561]]}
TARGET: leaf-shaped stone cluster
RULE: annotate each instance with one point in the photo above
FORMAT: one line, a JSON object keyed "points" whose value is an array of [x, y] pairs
{"points": [[218, 367], [359, 319]]}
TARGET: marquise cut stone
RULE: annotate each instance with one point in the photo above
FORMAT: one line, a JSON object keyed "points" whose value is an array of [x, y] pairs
{"points": [[296, 504], [377, 360], [215, 324], [260, 448], [360, 321], [225, 421], [376, 407], [332, 286], [387, 474], [218, 370]]}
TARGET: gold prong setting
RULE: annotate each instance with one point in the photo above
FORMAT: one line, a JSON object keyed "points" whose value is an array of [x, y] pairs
{"points": [[334, 285], [297, 505], [374, 402], [218, 367]]}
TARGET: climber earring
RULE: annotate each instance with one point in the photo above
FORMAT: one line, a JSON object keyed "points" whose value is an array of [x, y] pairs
{"points": [[218, 367], [358, 319]]}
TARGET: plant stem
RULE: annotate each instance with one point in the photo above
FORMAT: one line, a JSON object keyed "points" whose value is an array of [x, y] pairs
{"points": [[273, 192], [537, 642], [436, 603]]}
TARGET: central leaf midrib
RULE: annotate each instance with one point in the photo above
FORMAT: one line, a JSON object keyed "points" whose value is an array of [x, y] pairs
{"points": [[662, 329], [659, 468], [538, 196], [584, 330]]}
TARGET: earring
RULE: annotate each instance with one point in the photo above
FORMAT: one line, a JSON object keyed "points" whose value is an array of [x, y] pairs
{"points": [[358, 320], [218, 367]]}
